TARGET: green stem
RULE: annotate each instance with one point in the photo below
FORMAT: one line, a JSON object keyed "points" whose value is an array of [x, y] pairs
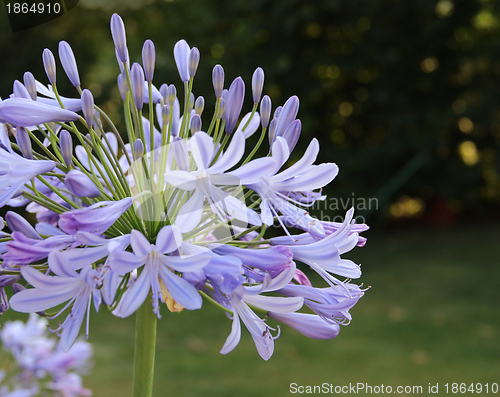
{"points": [[145, 346]]}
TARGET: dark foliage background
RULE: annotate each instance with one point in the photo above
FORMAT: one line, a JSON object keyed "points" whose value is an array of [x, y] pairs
{"points": [[402, 95]]}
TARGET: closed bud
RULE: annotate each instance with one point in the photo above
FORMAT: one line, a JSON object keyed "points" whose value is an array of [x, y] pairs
{"points": [[272, 130], [17, 288], [20, 90], [235, 96], [24, 142], [49, 64], [199, 105], [181, 56], [257, 84], [148, 59], [222, 108], [122, 86], [165, 114], [191, 103], [138, 149], [164, 91], [193, 61], [68, 62], [265, 111], [80, 184], [195, 124], [30, 84], [66, 144], [171, 94], [218, 80], [17, 223], [88, 107], [119, 37], [137, 78]]}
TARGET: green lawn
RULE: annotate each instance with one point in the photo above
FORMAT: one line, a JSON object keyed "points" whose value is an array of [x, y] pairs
{"points": [[432, 315]]}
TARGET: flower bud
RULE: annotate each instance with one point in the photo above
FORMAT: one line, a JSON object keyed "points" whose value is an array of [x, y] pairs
{"points": [[20, 90], [199, 105], [66, 144], [195, 124], [193, 61], [165, 114], [265, 111], [68, 62], [171, 94], [181, 55], [88, 107], [17, 288], [257, 84], [24, 142], [137, 149], [49, 64], [137, 78], [222, 108], [191, 103], [272, 130], [292, 134], [164, 91], [122, 86], [218, 80], [80, 184], [17, 223], [30, 84], [119, 37], [235, 96], [287, 115], [148, 59]]}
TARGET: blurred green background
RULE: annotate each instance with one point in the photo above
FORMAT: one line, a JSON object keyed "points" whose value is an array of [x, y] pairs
{"points": [[405, 97]]}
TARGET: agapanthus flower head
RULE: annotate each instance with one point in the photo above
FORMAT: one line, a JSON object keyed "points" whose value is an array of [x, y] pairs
{"points": [[171, 209]]}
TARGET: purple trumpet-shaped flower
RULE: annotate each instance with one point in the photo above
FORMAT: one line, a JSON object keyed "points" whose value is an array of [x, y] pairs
{"points": [[309, 325], [51, 291], [49, 63], [148, 59], [181, 55], [80, 184], [15, 171], [119, 37], [96, 218], [25, 112], [234, 102], [68, 62], [158, 269]]}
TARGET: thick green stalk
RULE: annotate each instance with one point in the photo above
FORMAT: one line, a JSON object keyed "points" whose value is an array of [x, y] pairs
{"points": [[145, 346]]}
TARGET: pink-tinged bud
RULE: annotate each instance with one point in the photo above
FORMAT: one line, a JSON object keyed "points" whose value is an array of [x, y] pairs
{"points": [[68, 62], [30, 84], [49, 64], [17, 223], [171, 95], [137, 149], [119, 37], [66, 144], [88, 107], [20, 90], [80, 184], [195, 124], [137, 79], [148, 59], [265, 111], [181, 55], [257, 84], [218, 80], [24, 142], [199, 105], [25, 112], [193, 61]]}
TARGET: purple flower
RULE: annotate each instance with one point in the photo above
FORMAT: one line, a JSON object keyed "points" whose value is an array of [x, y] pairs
{"points": [[234, 102], [68, 62], [25, 112], [157, 270], [181, 55]]}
